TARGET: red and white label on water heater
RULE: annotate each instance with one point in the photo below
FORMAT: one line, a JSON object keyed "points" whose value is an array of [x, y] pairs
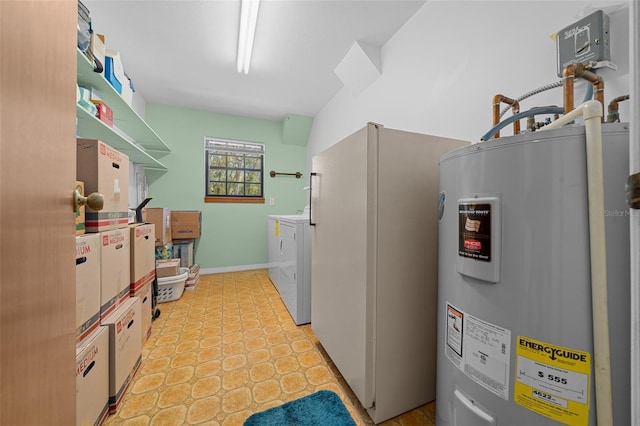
{"points": [[479, 239], [481, 350]]}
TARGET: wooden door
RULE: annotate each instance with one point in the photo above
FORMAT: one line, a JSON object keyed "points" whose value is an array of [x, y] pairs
{"points": [[37, 174]]}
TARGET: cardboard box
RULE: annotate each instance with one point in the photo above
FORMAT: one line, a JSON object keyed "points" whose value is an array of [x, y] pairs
{"points": [[145, 294], [161, 218], [193, 278], [191, 284], [104, 170], [185, 225], [92, 379], [143, 262], [115, 270], [183, 250], [104, 113], [125, 348], [167, 268], [194, 271], [87, 285], [80, 213]]}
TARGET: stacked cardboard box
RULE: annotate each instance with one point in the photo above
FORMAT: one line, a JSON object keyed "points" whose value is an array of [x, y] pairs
{"points": [[185, 228], [105, 170], [113, 279], [175, 237], [194, 277], [161, 218], [143, 271], [142, 255], [87, 285], [115, 270], [92, 378], [125, 348], [186, 224], [167, 268], [184, 250], [92, 340], [176, 240]]}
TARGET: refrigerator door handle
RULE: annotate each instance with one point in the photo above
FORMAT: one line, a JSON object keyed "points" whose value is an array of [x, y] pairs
{"points": [[311, 223]]}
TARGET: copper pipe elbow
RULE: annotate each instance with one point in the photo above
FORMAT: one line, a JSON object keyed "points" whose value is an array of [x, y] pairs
{"points": [[515, 108], [612, 115]]}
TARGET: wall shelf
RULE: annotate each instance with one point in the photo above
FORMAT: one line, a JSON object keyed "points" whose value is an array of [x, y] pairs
{"points": [[153, 174], [91, 127], [125, 117]]}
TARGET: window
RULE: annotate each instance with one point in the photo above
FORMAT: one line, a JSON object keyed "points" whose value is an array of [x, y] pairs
{"points": [[234, 171]]}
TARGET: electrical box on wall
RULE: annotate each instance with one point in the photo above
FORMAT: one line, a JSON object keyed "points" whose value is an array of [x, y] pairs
{"points": [[583, 41]]}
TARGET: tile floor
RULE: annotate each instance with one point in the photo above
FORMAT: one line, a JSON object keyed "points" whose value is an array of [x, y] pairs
{"points": [[229, 349]]}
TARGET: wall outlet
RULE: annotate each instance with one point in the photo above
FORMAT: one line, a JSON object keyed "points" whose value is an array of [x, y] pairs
{"points": [[272, 201]]}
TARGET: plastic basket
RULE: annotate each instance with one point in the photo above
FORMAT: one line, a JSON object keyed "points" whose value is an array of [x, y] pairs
{"points": [[171, 288]]}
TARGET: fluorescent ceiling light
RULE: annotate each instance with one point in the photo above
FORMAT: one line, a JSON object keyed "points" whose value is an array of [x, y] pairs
{"points": [[248, 19]]}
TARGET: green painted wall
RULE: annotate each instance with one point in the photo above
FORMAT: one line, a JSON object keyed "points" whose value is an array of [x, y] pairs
{"points": [[232, 234]]}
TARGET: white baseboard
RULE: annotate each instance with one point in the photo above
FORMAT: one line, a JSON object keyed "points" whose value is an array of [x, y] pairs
{"points": [[238, 268]]}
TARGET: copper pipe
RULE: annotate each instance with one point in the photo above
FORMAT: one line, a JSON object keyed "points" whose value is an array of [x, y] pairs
{"points": [[568, 75], [515, 107], [613, 115], [578, 70], [532, 125], [596, 80]]}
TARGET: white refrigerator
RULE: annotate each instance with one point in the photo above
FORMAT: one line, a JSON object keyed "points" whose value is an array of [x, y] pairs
{"points": [[374, 223]]}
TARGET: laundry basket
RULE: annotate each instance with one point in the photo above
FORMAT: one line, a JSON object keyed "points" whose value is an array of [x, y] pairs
{"points": [[171, 288]]}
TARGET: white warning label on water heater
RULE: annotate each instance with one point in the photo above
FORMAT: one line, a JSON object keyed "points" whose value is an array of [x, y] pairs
{"points": [[479, 349]]}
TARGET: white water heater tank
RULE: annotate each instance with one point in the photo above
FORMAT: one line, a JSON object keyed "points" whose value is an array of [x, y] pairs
{"points": [[515, 343]]}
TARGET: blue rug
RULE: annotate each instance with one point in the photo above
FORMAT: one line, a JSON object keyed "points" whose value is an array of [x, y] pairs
{"points": [[323, 408]]}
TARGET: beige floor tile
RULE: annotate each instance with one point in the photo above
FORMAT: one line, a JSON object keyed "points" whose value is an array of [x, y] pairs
{"points": [[229, 349], [266, 391], [206, 386], [204, 410], [172, 416], [174, 395]]}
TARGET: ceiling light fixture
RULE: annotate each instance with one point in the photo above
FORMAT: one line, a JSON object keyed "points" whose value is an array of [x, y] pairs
{"points": [[248, 19]]}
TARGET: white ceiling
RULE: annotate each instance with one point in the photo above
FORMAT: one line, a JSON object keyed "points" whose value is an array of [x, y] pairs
{"points": [[183, 53]]}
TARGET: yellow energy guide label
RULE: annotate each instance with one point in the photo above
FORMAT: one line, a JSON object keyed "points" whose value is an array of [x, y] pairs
{"points": [[552, 380]]}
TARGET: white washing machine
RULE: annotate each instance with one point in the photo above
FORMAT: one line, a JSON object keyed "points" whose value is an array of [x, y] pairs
{"points": [[290, 263]]}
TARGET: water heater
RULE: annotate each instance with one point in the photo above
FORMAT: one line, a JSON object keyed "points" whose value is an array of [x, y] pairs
{"points": [[515, 343]]}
